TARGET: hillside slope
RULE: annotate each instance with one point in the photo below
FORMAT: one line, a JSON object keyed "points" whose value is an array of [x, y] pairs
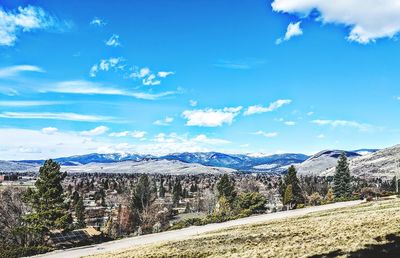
{"points": [[372, 231], [148, 166], [378, 164]]}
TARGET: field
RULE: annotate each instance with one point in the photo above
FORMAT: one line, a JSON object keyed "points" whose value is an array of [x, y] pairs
{"points": [[368, 230]]}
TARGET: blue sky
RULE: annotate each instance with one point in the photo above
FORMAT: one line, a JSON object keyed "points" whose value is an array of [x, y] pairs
{"points": [[170, 76]]}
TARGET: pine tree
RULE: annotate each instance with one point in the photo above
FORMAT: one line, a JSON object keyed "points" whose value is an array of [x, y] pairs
{"points": [[288, 196], [177, 192], [143, 194], [342, 179], [226, 188], [291, 179], [49, 210], [80, 213], [161, 191]]}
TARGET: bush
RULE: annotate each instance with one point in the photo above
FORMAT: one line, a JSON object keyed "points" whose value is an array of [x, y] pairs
{"points": [[253, 201], [21, 251]]}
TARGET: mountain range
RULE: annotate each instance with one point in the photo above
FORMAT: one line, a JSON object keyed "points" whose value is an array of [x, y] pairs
{"points": [[370, 162]]}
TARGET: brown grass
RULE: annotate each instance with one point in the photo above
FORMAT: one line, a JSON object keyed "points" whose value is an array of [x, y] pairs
{"points": [[343, 230]]}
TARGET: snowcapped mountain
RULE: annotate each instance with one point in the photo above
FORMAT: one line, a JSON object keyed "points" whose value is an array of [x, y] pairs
{"points": [[247, 163], [240, 162], [94, 158]]}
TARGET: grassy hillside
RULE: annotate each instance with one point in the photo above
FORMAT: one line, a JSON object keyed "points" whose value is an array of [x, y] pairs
{"points": [[367, 230]]}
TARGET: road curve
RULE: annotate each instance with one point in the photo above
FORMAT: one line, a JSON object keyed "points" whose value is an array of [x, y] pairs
{"points": [[182, 234]]}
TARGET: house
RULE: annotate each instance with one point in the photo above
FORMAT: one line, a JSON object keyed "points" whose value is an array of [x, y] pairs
{"points": [[77, 237]]}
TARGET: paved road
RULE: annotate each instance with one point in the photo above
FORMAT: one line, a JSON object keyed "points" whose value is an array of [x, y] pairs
{"points": [[186, 232]]}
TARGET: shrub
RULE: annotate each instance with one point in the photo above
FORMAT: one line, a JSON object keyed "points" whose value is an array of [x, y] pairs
{"points": [[21, 251], [252, 201]]}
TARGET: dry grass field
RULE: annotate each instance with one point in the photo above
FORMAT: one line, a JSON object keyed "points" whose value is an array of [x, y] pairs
{"points": [[368, 230]]}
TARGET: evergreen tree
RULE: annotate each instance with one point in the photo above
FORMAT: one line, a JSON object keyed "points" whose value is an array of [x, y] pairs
{"points": [[291, 179], [80, 213], [49, 210], [143, 194], [226, 188], [342, 179], [177, 191], [162, 189], [288, 198]]}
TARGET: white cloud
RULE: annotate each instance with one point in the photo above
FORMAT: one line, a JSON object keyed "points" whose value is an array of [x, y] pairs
{"points": [[211, 117], [54, 116], [151, 80], [292, 30], [256, 109], [97, 22], [193, 103], [24, 19], [154, 96], [266, 134], [15, 70], [83, 87], [367, 20], [202, 138], [147, 76], [106, 65], [138, 134], [134, 134], [91, 88], [17, 144], [164, 74], [165, 122], [320, 136], [113, 41], [119, 134], [343, 123], [290, 123], [95, 131], [310, 113], [163, 143], [27, 103], [49, 130]]}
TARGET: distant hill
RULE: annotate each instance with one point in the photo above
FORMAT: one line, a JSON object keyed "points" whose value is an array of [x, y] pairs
{"points": [[380, 164], [322, 161], [171, 167]]}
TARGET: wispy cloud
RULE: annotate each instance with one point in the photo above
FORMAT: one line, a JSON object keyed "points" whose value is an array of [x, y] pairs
{"points": [[292, 30], [91, 88], [266, 134], [211, 117], [95, 131], [164, 122], [257, 109], [27, 103], [96, 21], [134, 134], [15, 70], [25, 19], [55, 116], [113, 41], [163, 74], [193, 103], [154, 96], [113, 63], [238, 64], [343, 123]]}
